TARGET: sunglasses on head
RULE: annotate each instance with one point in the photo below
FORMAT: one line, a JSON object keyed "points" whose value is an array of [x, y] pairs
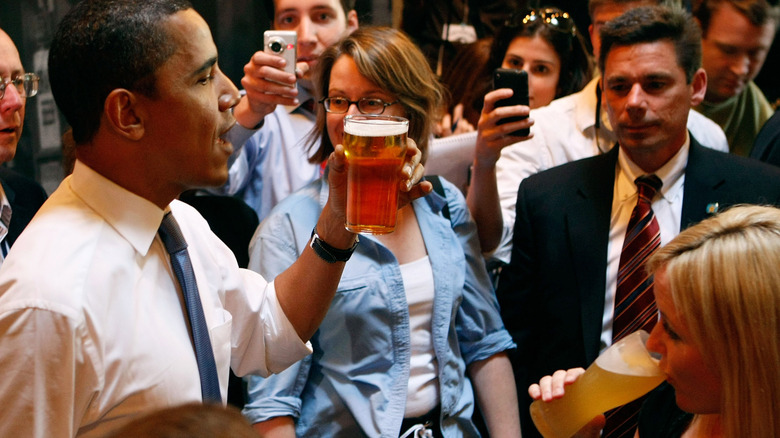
{"points": [[553, 18]]}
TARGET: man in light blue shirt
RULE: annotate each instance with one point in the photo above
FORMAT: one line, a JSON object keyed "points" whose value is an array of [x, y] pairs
{"points": [[273, 119]]}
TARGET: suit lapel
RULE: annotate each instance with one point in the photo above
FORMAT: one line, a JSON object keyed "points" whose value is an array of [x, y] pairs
{"points": [[703, 181], [587, 223]]}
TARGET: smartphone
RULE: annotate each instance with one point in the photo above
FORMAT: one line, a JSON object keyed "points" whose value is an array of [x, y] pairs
{"points": [[517, 80], [282, 43]]}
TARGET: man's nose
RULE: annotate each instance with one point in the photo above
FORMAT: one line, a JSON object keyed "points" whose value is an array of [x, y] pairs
{"points": [[740, 65], [228, 94], [12, 100], [636, 96], [307, 31]]}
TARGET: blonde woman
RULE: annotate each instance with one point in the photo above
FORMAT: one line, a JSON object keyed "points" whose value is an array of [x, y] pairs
{"points": [[717, 286]]}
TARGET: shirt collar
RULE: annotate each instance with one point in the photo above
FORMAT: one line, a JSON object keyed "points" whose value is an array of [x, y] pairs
{"points": [[303, 96], [133, 217], [670, 173]]}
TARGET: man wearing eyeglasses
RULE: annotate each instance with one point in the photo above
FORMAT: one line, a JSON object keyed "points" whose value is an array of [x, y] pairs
{"points": [[20, 197], [277, 111]]}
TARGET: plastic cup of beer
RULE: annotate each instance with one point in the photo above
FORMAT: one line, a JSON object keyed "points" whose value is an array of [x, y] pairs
{"points": [[375, 147], [621, 374]]}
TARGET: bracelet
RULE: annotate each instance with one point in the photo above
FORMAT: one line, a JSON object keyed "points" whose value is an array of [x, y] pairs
{"points": [[329, 253]]}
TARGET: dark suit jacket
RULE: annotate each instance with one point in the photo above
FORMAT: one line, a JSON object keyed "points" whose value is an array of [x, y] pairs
{"points": [[552, 292], [25, 196], [767, 145]]}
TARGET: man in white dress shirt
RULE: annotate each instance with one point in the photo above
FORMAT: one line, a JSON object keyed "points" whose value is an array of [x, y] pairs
{"points": [[94, 330]]}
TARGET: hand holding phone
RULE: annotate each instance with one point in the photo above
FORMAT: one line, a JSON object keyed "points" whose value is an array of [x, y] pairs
{"points": [[282, 43], [517, 80]]}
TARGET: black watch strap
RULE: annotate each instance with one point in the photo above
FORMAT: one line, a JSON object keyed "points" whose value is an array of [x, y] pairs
{"points": [[329, 253]]}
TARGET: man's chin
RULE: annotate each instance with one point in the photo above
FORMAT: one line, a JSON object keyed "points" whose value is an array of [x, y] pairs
{"points": [[7, 150]]}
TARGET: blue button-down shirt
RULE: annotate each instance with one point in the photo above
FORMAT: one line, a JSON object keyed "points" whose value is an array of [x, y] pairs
{"points": [[355, 383], [271, 162]]}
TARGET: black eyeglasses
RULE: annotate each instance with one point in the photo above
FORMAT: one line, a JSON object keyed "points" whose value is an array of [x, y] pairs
{"points": [[366, 105], [553, 18], [26, 85]]}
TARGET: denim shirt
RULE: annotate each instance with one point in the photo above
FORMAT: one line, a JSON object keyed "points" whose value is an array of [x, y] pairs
{"points": [[355, 383]]}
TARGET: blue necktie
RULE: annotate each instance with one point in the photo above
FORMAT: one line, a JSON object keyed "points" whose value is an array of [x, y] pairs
{"points": [[180, 261]]}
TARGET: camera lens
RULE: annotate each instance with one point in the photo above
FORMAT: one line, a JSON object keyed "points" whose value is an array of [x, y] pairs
{"points": [[276, 46]]}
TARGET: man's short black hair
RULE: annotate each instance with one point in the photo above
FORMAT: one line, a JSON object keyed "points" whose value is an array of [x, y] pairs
{"points": [[102, 45], [649, 24]]}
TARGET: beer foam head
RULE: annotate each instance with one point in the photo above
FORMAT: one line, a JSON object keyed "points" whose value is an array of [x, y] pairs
{"points": [[629, 356], [374, 128]]}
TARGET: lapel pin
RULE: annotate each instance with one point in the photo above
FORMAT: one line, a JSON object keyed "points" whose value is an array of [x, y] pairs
{"points": [[712, 208]]}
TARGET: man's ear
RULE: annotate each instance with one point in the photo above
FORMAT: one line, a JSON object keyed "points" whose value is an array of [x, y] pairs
{"points": [[122, 114], [698, 86], [352, 21]]}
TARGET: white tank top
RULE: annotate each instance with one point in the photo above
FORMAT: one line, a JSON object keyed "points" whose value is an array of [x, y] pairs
{"points": [[423, 390]]}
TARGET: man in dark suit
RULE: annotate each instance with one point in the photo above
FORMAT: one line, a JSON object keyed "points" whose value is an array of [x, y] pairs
{"points": [[20, 197], [557, 294]]}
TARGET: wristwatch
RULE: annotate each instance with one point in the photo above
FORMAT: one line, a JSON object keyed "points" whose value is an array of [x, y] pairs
{"points": [[329, 253]]}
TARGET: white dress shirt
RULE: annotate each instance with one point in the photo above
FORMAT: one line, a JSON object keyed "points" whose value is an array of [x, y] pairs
{"points": [[565, 131], [92, 318], [667, 208]]}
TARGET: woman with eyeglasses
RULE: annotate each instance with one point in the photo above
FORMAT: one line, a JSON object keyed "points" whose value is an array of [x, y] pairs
{"points": [[414, 332], [547, 45]]}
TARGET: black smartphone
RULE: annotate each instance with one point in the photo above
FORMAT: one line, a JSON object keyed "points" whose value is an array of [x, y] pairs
{"points": [[517, 80]]}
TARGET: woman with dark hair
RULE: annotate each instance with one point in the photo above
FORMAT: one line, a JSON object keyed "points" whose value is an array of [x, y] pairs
{"points": [[547, 45]]}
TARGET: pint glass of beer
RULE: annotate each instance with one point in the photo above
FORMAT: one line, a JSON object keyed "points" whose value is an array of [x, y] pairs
{"points": [[375, 147], [622, 373]]}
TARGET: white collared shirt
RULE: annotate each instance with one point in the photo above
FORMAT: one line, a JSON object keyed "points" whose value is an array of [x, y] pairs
{"points": [[92, 319], [667, 208]]}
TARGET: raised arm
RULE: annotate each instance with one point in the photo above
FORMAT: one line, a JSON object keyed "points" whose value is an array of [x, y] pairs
{"points": [[262, 94], [482, 197], [306, 289]]}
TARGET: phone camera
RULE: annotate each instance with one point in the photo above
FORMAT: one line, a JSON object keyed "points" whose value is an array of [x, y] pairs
{"points": [[276, 45]]}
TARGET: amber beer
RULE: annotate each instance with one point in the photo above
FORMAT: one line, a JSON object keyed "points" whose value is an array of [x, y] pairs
{"points": [[623, 373], [375, 147]]}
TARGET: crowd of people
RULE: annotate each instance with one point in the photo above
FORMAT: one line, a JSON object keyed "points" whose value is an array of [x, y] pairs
{"points": [[645, 196]]}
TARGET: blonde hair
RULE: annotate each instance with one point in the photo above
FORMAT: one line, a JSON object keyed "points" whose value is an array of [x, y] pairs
{"points": [[389, 59], [724, 276]]}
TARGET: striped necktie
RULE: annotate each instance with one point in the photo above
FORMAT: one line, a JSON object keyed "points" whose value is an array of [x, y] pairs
{"points": [[634, 301], [174, 242], [5, 219]]}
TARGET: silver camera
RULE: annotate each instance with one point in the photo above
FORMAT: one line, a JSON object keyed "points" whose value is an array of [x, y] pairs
{"points": [[282, 43]]}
